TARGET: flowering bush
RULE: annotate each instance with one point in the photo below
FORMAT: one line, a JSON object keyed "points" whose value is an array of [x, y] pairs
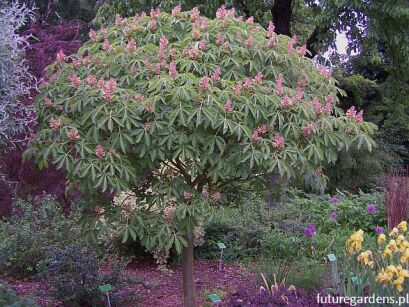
{"points": [[175, 107], [16, 117], [383, 269]]}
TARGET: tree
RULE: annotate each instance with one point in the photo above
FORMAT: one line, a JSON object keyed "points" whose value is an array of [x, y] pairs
{"points": [[167, 111]]}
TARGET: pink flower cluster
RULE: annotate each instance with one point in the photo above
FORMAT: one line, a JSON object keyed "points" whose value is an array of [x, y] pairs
{"points": [[299, 93], [249, 42], [100, 151], [352, 114], [48, 102], [278, 141], [202, 45], [131, 46], [195, 14], [172, 70], [107, 88], [187, 195], [192, 52], [152, 25], [270, 30], [317, 106], [163, 44], [75, 81], [279, 84], [228, 106], [55, 124], [291, 44], [204, 83], [176, 10], [93, 35], [106, 45], [155, 12], [250, 20], [219, 39], [238, 87], [258, 78], [60, 57], [328, 105], [256, 136], [303, 50], [286, 102], [90, 80], [119, 21], [326, 72], [216, 197], [216, 75], [139, 97], [73, 134], [307, 129], [223, 13]]}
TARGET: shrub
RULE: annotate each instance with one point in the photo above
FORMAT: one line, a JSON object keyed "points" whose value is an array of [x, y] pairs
{"points": [[35, 224], [166, 110], [16, 117], [75, 273], [8, 298]]}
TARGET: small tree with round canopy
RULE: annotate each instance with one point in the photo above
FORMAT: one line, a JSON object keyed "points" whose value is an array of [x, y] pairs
{"points": [[168, 109]]}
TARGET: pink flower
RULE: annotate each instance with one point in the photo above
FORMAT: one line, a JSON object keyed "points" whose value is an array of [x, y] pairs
{"points": [[86, 60], [262, 129], [99, 152], [317, 106], [205, 193], [279, 84], [326, 72], [247, 84], [216, 197], [278, 141], [216, 75], [249, 41], [271, 29], [176, 10], [258, 78], [156, 70], [291, 44], [155, 12], [148, 64], [228, 106], [193, 52], [306, 130], [173, 53], [186, 51], [152, 25], [76, 63], [219, 39], [299, 94], [163, 43], [195, 33], [172, 70], [106, 45], [60, 57], [250, 20], [202, 45], [302, 82], [303, 50], [286, 102], [221, 12], [187, 195], [255, 137], [204, 83], [75, 81], [139, 97], [131, 45], [55, 124], [92, 35], [329, 105], [226, 45], [195, 14], [103, 32], [73, 134], [48, 102], [352, 114], [238, 87], [59, 107], [119, 20], [90, 80]]}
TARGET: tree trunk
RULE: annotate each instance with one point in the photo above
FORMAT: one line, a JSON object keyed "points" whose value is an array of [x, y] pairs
{"points": [[188, 277], [282, 11]]}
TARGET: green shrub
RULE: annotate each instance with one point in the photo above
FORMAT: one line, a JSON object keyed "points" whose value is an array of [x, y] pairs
{"points": [[75, 273], [34, 225], [8, 298]]}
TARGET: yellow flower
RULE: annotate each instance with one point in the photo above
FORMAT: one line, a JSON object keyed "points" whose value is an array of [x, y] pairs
{"points": [[383, 277], [392, 245], [400, 239], [381, 239], [394, 233], [403, 226], [387, 253], [355, 241], [364, 257], [405, 257], [371, 264]]}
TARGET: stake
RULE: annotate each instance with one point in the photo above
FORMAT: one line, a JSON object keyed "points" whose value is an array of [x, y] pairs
{"points": [[109, 302], [221, 259]]}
